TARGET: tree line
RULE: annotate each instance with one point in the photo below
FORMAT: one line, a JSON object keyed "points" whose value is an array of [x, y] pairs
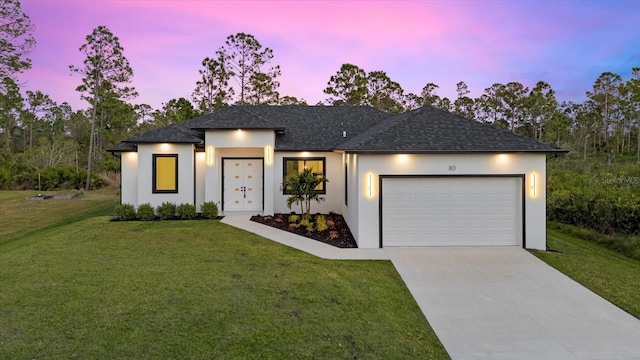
{"points": [[38, 134]]}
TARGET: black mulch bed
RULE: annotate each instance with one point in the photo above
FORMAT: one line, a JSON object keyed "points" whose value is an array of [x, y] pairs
{"points": [[338, 233]]}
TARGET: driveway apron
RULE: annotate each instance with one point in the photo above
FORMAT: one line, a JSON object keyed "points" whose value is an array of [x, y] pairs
{"points": [[504, 303]]}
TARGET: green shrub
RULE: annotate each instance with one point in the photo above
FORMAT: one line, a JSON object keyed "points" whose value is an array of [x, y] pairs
{"points": [[166, 210], [306, 223], [125, 212], [293, 218], [146, 212], [186, 211], [209, 210], [321, 223]]}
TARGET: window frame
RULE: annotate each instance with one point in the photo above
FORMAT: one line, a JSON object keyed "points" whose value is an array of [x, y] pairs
{"points": [[305, 159], [154, 179]]}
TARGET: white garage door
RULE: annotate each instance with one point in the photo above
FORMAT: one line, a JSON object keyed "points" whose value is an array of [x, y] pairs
{"points": [[451, 211]]}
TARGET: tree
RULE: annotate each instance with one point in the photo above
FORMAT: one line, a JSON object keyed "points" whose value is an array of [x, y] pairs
{"points": [[605, 95], [244, 58], [633, 86], [351, 85], [513, 101], [10, 109], [428, 95], [38, 104], [16, 39], [175, 111], [348, 86], [542, 106], [383, 93], [104, 68], [463, 105], [291, 100], [263, 89], [489, 106], [444, 104], [212, 90]]}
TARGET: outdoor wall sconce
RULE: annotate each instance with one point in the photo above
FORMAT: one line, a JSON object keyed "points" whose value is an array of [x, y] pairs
{"points": [[210, 155], [370, 186], [533, 185], [268, 155]]}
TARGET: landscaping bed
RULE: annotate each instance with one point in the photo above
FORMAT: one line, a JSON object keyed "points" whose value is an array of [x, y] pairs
{"points": [[334, 232]]}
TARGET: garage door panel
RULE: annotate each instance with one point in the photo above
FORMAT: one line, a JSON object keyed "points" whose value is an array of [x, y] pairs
{"points": [[453, 211]]}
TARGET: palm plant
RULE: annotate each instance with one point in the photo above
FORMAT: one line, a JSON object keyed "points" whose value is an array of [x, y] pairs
{"points": [[301, 188]]}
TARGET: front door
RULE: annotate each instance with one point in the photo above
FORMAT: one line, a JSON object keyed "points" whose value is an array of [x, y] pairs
{"points": [[242, 184]]}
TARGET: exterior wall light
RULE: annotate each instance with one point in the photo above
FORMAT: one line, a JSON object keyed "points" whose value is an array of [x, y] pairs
{"points": [[210, 155], [268, 155], [533, 185], [370, 185]]}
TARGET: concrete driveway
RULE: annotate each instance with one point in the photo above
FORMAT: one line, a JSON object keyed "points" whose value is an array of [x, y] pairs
{"points": [[504, 303]]}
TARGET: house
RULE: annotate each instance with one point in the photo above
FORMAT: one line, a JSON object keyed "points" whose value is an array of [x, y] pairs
{"points": [[425, 177]]}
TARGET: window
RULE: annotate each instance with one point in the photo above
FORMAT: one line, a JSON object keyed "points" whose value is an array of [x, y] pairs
{"points": [[294, 166], [165, 173]]}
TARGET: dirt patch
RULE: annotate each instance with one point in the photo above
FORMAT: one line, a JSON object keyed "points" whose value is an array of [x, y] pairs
{"points": [[337, 232]]}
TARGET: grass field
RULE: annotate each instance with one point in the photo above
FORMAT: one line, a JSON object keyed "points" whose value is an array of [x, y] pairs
{"points": [[609, 274], [19, 216], [85, 287]]}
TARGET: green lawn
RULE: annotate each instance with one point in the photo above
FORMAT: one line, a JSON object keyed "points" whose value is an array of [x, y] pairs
{"points": [[19, 216], [91, 288], [609, 274]]}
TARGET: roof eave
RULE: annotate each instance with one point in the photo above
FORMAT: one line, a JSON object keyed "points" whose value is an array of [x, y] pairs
{"points": [[238, 128], [162, 142], [388, 152]]}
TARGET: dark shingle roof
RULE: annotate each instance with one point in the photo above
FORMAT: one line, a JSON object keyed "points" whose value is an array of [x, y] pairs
{"points": [[311, 128], [318, 128], [123, 147], [432, 130], [365, 129], [233, 117], [176, 133]]}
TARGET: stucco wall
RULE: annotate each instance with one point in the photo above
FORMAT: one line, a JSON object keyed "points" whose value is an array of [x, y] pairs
{"points": [[200, 166], [350, 211], [334, 198], [366, 228], [185, 192], [221, 144], [129, 178]]}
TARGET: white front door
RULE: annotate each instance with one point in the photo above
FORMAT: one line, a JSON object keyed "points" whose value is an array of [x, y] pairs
{"points": [[242, 184]]}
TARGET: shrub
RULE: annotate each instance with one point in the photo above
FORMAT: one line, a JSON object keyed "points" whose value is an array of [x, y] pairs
{"points": [[302, 191], [186, 211], [293, 218], [145, 212], [125, 212], [321, 223], [166, 210], [209, 210], [306, 223]]}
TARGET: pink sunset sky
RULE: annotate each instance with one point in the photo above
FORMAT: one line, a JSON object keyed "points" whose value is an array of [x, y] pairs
{"points": [[565, 43]]}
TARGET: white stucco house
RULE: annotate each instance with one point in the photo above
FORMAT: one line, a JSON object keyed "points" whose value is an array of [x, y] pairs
{"points": [[421, 178]]}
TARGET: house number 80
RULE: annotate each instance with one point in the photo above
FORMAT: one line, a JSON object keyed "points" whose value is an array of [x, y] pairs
{"points": [[452, 168]]}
